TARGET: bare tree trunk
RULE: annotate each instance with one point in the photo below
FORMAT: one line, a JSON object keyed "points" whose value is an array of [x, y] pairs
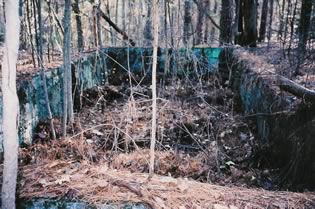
{"points": [[154, 66], [10, 104], [304, 26], [123, 13], [67, 80], [187, 21], [171, 22], [39, 50], [99, 28], [270, 21], [226, 22], [110, 30], [239, 32], [199, 29], [284, 39], [292, 27], [76, 9], [28, 12], [282, 15], [39, 43], [116, 21], [206, 35], [95, 25], [148, 25], [250, 23], [263, 21]]}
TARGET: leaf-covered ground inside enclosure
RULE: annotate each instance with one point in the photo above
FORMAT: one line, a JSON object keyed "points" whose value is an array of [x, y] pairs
{"points": [[199, 135]]}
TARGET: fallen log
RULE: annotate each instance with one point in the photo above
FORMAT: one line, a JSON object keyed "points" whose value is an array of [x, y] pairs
{"points": [[296, 89]]}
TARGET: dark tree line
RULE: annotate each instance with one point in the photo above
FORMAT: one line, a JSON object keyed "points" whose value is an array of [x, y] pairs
{"points": [[245, 25]]}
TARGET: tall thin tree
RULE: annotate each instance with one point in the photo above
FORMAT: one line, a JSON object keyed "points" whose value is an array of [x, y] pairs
{"points": [[67, 79], [263, 21], [187, 20], [39, 45], [304, 27], [154, 92], [271, 4], [148, 25], [10, 104], [200, 23], [77, 12]]}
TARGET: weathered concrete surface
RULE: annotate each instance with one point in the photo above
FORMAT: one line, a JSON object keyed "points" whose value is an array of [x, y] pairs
{"points": [[96, 68], [285, 124]]}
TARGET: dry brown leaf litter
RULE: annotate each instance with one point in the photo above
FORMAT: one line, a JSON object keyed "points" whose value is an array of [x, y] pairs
{"points": [[98, 184]]}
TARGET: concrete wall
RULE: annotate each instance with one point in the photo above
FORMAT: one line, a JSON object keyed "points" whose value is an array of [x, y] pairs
{"points": [[94, 69], [285, 125]]}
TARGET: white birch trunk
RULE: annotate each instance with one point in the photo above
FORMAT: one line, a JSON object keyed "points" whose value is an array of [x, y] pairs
{"points": [[10, 104]]}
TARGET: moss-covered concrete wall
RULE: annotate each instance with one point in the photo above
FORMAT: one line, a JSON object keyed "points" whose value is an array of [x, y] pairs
{"points": [[95, 69], [284, 124]]}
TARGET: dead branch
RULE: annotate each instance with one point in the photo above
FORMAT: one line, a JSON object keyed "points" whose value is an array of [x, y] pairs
{"points": [[201, 9], [125, 184], [296, 89], [112, 24]]}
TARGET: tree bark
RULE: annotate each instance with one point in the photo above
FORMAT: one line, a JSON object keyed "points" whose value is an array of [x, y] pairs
{"points": [[239, 22], [271, 3], [263, 21], [200, 21], [39, 43], [76, 10], [67, 79], [226, 22], [187, 21], [147, 33], [10, 104], [99, 28], [28, 12], [282, 15], [154, 92], [250, 23], [304, 26]]}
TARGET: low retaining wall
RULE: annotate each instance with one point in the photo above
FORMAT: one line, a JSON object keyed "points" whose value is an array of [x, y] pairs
{"points": [[95, 69], [285, 125]]}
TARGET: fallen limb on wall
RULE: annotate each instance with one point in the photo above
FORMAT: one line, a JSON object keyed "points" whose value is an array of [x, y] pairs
{"points": [[296, 89]]}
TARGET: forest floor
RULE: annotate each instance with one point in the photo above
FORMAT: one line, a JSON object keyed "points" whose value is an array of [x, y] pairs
{"points": [[202, 141]]}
